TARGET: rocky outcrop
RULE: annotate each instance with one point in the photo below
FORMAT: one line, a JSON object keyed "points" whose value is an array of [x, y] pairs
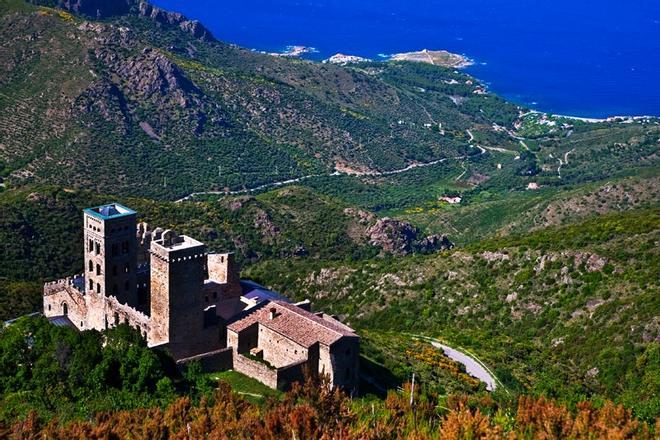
{"points": [[151, 75], [433, 243], [163, 17], [402, 238], [108, 8]]}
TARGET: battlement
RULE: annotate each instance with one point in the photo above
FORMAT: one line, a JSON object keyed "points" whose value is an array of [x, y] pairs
{"points": [[170, 247], [76, 282]]}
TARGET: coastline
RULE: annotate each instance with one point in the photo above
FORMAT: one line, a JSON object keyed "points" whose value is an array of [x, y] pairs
{"points": [[441, 58], [619, 118]]}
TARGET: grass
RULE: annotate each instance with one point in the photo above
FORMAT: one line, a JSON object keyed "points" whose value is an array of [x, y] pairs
{"points": [[251, 389]]}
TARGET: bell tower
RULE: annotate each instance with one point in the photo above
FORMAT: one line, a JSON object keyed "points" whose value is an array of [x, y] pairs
{"points": [[110, 250]]}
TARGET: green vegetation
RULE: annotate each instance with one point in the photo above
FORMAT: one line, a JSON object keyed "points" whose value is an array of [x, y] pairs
{"points": [[57, 371], [564, 312], [252, 390], [553, 284]]}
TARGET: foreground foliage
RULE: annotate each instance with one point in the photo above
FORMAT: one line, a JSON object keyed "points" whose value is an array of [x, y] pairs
{"points": [[57, 371], [312, 411]]}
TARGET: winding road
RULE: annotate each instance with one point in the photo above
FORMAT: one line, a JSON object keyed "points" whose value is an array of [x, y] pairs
{"points": [[473, 366], [482, 151]]}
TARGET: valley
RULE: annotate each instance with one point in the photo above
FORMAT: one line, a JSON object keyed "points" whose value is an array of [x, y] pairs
{"points": [[448, 226]]}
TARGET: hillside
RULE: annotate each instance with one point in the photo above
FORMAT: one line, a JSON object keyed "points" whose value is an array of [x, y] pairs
{"points": [[143, 102], [569, 312], [41, 233]]}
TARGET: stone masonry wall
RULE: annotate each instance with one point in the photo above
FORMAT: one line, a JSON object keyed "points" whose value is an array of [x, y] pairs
{"points": [[255, 370], [218, 360], [279, 350]]}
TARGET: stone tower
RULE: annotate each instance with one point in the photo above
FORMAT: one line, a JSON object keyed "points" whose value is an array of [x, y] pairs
{"points": [[111, 252], [178, 271]]}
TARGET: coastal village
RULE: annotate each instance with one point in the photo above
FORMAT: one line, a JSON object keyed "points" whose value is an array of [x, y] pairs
{"points": [[192, 303]]}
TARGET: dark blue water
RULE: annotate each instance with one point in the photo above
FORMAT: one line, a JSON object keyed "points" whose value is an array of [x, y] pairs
{"points": [[578, 57]]}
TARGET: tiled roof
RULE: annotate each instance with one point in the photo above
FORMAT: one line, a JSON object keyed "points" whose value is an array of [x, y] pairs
{"points": [[301, 326]]}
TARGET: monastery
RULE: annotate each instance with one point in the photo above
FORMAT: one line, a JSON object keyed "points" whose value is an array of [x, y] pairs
{"points": [[193, 303]]}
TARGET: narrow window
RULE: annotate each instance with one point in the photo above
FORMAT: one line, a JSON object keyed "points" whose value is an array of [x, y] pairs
{"points": [[91, 284], [65, 309], [98, 287], [116, 318], [90, 246], [91, 266], [98, 269], [97, 248], [49, 307]]}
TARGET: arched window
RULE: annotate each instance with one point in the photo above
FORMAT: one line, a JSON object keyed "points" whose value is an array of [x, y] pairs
{"points": [[91, 284], [98, 269], [97, 248], [98, 287], [65, 309], [90, 266], [90, 245]]}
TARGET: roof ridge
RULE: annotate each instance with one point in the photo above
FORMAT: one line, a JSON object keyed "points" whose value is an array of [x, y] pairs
{"points": [[310, 317]]}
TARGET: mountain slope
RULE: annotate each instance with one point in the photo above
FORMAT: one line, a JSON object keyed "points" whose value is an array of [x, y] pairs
{"points": [[138, 105], [569, 312]]}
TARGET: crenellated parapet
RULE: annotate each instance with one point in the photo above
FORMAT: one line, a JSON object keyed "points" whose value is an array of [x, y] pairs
{"points": [[74, 282]]}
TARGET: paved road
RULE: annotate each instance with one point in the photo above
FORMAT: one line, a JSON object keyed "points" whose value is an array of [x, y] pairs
{"points": [[472, 366]]}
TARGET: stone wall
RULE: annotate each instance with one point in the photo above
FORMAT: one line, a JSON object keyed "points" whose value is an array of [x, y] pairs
{"points": [[278, 349], [91, 310], [286, 376], [61, 298], [255, 370], [217, 360], [344, 361]]}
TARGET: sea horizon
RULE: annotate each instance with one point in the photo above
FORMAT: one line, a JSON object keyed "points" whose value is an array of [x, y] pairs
{"points": [[590, 60]]}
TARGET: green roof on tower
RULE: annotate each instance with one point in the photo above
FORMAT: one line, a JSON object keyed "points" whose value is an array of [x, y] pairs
{"points": [[110, 211]]}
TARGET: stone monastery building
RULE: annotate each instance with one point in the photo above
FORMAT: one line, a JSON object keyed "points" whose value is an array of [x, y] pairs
{"points": [[193, 303]]}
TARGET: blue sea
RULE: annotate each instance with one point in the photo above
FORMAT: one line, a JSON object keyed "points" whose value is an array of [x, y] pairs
{"points": [[574, 57]]}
